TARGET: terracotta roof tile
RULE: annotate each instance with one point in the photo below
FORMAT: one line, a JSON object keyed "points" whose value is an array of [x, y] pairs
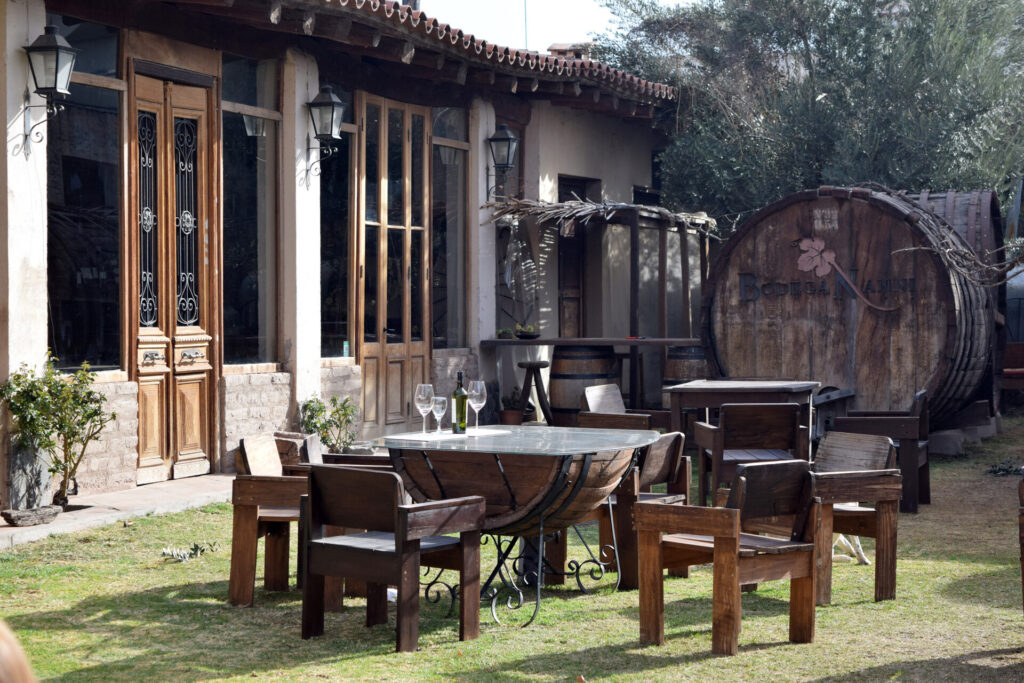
{"points": [[527, 63]]}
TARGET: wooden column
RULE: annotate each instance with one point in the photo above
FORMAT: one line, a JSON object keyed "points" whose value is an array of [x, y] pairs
{"points": [[634, 306], [684, 256]]}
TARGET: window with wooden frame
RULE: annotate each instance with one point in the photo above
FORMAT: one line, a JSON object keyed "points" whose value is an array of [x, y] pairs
{"points": [[251, 113], [84, 166], [337, 202], [450, 153]]}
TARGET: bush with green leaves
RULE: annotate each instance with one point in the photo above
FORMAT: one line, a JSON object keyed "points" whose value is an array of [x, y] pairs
{"points": [[334, 422], [56, 415]]}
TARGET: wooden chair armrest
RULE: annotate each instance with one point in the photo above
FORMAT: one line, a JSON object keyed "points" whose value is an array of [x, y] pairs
{"points": [[270, 491], [613, 420], [352, 460], [878, 413], [707, 437], [668, 516], [660, 419], [682, 478], [859, 486], [895, 427], [452, 515]]}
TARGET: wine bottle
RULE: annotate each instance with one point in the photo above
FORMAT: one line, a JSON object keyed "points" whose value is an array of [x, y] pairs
{"points": [[459, 399]]}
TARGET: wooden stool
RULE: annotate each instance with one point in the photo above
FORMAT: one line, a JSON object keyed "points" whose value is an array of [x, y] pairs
{"points": [[533, 368], [623, 361]]}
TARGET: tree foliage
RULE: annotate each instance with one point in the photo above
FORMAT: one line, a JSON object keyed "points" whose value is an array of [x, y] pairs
{"points": [[778, 96]]}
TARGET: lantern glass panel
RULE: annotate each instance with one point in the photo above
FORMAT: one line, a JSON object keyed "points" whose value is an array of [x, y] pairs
{"points": [[65, 65]]}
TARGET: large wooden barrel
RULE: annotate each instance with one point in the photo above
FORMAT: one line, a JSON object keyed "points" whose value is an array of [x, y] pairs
{"points": [[573, 369], [847, 286]]}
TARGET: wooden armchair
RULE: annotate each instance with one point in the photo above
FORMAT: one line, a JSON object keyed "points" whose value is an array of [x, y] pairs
{"points": [[673, 535], [746, 433], [661, 463], [850, 470], [265, 504], [603, 408], [909, 429], [399, 536]]}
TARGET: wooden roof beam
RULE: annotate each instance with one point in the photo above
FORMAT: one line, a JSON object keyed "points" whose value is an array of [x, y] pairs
{"points": [[333, 27], [396, 50], [455, 71], [507, 83], [364, 36], [482, 77], [528, 85], [428, 59], [552, 87]]}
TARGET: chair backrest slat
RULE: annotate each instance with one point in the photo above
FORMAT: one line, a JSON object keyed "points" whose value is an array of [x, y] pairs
{"points": [[771, 489], [353, 497], [760, 425], [260, 455], [848, 452], [661, 460], [604, 398]]}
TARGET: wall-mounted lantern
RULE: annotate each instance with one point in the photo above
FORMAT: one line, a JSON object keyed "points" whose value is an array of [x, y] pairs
{"points": [[504, 144], [51, 59], [327, 112]]}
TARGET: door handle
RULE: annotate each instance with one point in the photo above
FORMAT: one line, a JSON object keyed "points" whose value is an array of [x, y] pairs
{"points": [[192, 355], [152, 357]]}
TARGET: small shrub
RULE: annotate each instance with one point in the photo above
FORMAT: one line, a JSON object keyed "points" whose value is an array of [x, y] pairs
{"points": [[334, 424], [187, 554], [1006, 468]]}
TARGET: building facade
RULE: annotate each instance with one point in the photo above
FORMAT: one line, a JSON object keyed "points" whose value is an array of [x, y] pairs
{"points": [[178, 226]]}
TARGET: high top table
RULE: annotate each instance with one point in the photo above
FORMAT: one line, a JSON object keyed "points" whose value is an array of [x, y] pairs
{"points": [[535, 479], [713, 393]]}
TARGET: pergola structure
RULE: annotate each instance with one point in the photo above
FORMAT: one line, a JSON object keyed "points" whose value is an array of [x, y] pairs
{"points": [[578, 214]]}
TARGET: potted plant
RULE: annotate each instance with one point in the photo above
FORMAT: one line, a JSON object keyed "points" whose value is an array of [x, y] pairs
{"points": [[55, 418], [505, 333], [334, 421], [526, 331], [510, 413]]}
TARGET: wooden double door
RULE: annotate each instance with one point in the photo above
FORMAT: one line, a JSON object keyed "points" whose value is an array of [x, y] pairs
{"points": [[393, 261], [169, 256]]}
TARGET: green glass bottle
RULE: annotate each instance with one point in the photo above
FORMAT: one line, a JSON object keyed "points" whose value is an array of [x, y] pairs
{"points": [[459, 399]]}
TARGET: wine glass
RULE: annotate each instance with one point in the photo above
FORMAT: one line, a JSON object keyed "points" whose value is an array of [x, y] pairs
{"points": [[477, 398], [423, 399], [440, 405]]}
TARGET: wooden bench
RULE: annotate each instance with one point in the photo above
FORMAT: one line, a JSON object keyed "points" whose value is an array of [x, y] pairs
{"points": [[673, 535], [398, 536]]}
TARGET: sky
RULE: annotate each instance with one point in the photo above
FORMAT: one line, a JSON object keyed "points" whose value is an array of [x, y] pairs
{"points": [[501, 21]]}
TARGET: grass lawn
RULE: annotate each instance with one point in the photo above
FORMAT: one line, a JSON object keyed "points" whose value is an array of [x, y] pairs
{"points": [[103, 605]]}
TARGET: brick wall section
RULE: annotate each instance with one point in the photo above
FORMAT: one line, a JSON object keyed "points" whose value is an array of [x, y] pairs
{"points": [[343, 381], [445, 363], [111, 461], [253, 403]]}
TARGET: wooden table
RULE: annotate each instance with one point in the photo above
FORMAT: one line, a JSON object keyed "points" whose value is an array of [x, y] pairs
{"points": [[535, 479], [713, 393]]}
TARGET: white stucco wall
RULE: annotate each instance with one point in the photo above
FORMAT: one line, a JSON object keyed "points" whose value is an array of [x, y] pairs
{"points": [[300, 230], [23, 214], [571, 142]]}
